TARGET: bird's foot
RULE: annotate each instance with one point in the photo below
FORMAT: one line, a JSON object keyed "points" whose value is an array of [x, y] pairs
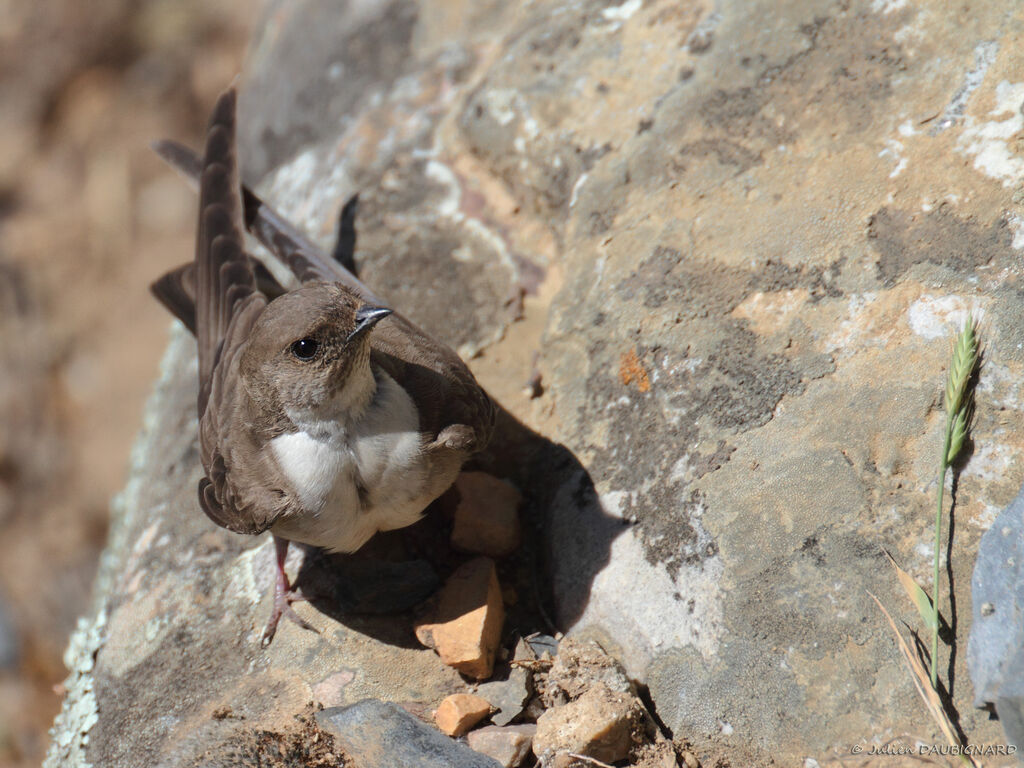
{"points": [[284, 596], [283, 600]]}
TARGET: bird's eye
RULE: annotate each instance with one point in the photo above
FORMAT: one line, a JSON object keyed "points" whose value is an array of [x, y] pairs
{"points": [[305, 349]]}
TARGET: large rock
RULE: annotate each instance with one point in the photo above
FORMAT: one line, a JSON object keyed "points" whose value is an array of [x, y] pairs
{"points": [[746, 233], [995, 653], [377, 734]]}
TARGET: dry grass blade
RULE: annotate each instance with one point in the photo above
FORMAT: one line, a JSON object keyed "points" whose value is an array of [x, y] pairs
{"points": [[928, 694], [917, 595]]}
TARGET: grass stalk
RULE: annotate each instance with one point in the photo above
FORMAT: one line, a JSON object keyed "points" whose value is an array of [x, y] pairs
{"points": [[959, 406], [933, 668]]}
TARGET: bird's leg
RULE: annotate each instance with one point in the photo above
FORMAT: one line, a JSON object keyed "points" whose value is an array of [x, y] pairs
{"points": [[284, 595]]}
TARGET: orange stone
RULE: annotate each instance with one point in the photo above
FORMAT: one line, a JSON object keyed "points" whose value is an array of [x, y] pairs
{"points": [[465, 625], [460, 712], [487, 515]]}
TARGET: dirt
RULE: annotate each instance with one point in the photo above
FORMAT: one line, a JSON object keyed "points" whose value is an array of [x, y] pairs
{"points": [[302, 745], [88, 217]]}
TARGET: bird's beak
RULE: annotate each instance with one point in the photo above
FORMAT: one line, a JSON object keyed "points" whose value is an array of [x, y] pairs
{"points": [[366, 317]]}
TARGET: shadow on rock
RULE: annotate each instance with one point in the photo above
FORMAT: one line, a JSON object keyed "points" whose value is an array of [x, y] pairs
{"points": [[378, 590]]}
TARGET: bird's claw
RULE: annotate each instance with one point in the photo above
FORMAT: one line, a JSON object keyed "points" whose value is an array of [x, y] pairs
{"points": [[283, 608]]}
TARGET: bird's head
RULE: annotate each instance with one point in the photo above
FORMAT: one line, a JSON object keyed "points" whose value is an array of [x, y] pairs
{"points": [[309, 353]]}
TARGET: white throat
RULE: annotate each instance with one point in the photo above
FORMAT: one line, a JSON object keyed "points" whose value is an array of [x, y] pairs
{"points": [[345, 407]]}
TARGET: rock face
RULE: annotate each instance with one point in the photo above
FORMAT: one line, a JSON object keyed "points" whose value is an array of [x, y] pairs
{"points": [[995, 653], [735, 240]]}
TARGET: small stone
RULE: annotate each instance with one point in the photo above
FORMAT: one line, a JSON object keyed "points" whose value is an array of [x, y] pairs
{"points": [[602, 724], [580, 665], [378, 734], [541, 644], [510, 695], [465, 625], [460, 712], [509, 745], [487, 515], [534, 709]]}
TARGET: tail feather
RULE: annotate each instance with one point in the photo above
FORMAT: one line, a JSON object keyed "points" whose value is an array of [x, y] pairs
{"points": [[279, 236]]}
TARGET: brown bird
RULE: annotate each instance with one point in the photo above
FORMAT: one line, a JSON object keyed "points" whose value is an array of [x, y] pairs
{"points": [[324, 416]]}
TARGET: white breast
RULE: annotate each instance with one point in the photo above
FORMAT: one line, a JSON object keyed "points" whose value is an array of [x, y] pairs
{"points": [[358, 478]]}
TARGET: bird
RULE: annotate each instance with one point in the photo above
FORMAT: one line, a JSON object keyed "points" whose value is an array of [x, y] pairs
{"points": [[324, 414]]}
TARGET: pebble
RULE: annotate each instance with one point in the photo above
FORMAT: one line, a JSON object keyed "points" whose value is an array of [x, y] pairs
{"points": [[460, 712], [465, 624], [487, 516], [542, 644], [509, 745], [578, 666], [600, 724], [510, 695], [378, 734]]}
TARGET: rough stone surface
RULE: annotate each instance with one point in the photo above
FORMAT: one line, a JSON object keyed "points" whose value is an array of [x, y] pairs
{"points": [[734, 239], [460, 712], [601, 724], [464, 626], [509, 745], [379, 734], [995, 653], [486, 516]]}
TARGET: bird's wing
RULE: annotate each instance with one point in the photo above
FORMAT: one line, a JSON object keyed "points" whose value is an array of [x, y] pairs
{"points": [[228, 303], [238, 492], [439, 382]]}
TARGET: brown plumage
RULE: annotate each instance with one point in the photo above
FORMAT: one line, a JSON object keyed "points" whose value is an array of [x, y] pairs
{"points": [[323, 415]]}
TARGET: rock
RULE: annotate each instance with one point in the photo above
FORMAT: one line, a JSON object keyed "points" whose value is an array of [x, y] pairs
{"points": [[995, 651], [465, 625], [486, 516], [508, 696], [508, 745], [377, 734], [716, 249], [511, 694], [578, 667], [601, 723], [460, 712], [543, 644]]}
